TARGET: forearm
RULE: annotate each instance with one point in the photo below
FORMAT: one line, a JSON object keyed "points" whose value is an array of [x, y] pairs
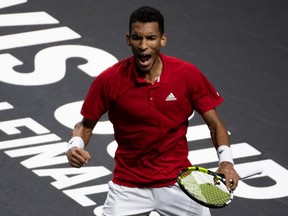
{"points": [[219, 135], [221, 141], [81, 130], [80, 138], [222, 145]]}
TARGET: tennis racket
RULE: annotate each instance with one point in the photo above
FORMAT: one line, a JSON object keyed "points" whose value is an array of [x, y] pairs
{"points": [[207, 187]]}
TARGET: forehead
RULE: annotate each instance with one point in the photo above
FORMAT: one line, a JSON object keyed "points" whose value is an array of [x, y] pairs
{"points": [[146, 28]]}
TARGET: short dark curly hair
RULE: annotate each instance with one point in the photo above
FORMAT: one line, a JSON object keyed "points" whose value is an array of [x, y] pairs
{"points": [[147, 14]]}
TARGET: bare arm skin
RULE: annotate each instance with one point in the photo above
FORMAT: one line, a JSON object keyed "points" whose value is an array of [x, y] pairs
{"points": [[77, 157], [219, 137]]}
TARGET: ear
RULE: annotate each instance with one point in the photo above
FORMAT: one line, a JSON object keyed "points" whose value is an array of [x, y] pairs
{"points": [[163, 40], [128, 39]]}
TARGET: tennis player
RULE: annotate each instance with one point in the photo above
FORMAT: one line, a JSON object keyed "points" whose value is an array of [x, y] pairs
{"points": [[149, 97]]}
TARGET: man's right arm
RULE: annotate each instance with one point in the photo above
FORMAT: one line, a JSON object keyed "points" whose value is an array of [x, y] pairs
{"points": [[80, 138]]}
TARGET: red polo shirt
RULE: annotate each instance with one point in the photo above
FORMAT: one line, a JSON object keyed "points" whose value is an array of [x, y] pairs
{"points": [[150, 121]]}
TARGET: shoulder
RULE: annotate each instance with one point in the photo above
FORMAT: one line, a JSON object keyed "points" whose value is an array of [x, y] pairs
{"points": [[113, 76], [176, 63], [123, 65], [177, 66]]}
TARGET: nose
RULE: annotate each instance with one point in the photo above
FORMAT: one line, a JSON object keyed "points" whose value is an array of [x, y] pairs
{"points": [[143, 45]]}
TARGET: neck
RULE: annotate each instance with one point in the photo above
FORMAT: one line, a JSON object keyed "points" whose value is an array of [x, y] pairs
{"points": [[154, 74]]}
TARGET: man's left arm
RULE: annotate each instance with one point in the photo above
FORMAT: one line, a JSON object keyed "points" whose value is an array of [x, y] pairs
{"points": [[221, 142]]}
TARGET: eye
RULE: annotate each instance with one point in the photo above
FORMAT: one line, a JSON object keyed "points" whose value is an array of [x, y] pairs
{"points": [[135, 37], [151, 38]]}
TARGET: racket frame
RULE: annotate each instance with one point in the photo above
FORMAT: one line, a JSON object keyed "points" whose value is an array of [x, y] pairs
{"points": [[217, 177]]}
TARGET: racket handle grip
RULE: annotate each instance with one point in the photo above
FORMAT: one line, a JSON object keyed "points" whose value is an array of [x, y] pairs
{"points": [[250, 172]]}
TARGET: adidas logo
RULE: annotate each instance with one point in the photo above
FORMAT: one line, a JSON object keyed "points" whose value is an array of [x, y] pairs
{"points": [[171, 97]]}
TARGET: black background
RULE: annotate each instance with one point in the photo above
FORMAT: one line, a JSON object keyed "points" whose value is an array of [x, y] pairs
{"points": [[241, 46]]}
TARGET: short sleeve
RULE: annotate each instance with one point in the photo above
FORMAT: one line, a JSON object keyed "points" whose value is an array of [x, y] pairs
{"points": [[204, 96], [96, 102]]}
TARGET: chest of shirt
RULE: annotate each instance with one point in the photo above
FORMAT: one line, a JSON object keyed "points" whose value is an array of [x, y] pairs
{"points": [[149, 103]]}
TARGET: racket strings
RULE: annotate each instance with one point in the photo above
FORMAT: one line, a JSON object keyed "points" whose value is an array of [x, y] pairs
{"points": [[205, 188]]}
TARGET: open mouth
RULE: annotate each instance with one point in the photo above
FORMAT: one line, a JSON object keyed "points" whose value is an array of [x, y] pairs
{"points": [[144, 59]]}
